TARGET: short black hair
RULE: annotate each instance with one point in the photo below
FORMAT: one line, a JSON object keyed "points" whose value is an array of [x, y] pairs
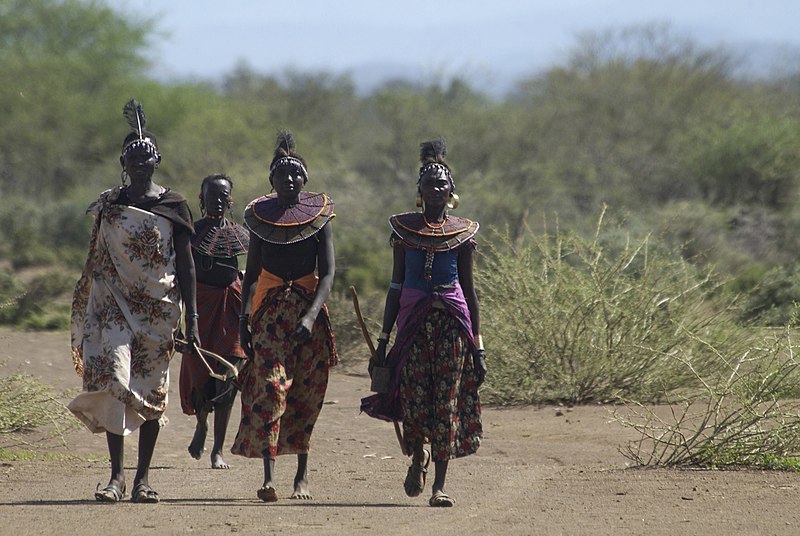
{"points": [[215, 177]]}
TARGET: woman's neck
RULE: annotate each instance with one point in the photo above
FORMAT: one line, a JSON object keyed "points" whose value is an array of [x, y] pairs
{"points": [[216, 221], [145, 190], [434, 215], [142, 188], [288, 201]]}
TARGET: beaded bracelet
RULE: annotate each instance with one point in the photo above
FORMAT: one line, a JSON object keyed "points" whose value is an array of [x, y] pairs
{"points": [[384, 336], [194, 315]]}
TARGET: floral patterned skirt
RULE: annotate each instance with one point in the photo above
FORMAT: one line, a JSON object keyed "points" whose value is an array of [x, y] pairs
{"points": [[283, 386], [439, 390]]}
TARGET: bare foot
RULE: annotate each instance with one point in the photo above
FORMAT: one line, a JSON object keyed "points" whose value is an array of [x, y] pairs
{"points": [[301, 490], [217, 462], [197, 446]]}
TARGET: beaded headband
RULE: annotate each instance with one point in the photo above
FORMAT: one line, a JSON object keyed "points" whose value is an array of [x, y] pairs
{"points": [[134, 114], [142, 143], [288, 161], [436, 165]]}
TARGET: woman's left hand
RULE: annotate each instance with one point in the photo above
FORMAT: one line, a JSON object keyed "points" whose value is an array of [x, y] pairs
{"points": [[303, 330], [192, 332], [479, 362]]}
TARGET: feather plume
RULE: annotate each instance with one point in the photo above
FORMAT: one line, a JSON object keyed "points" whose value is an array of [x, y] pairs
{"points": [[432, 151], [285, 144], [134, 113]]}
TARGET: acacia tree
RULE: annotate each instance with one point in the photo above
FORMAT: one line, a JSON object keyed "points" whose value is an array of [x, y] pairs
{"points": [[64, 66]]}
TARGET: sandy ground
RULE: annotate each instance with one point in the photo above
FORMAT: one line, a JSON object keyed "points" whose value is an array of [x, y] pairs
{"points": [[540, 471]]}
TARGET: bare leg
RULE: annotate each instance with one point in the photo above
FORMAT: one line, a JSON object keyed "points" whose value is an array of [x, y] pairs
{"points": [[197, 446], [116, 452], [222, 415], [441, 474], [148, 434], [439, 496], [115, 489], [301, 479], [267, 492]]}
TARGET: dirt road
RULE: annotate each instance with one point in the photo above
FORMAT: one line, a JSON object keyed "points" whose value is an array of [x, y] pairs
{"points": [[540, 471]]}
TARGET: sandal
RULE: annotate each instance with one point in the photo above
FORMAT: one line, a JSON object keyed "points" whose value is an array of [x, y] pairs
{"points": [[111, 493], [267, 494], [142, 493], [441, 499], [415, 477]]}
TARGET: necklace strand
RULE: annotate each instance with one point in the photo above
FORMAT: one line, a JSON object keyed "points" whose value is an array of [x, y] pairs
{"points": [[434, 226]]}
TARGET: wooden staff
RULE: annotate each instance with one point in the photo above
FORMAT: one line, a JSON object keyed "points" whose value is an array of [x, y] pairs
{"points": [[202, 353], [398, 432]]}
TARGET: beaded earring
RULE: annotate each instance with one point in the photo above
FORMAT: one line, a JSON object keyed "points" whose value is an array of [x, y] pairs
{"points": [[123, 177], [419, 200]]}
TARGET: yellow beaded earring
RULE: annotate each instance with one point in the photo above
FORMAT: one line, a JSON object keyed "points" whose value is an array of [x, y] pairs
{"points": [[453, 202]]}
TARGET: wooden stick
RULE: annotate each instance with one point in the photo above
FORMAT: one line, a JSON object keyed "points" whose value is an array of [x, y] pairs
{"points": [[202, 353], [361, 322], [398, 432]]}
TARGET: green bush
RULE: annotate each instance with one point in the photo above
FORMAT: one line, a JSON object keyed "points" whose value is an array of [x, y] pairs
{"points": [[745, 417], [576, 320], [43, 303], [773, 298], [27, 403]]}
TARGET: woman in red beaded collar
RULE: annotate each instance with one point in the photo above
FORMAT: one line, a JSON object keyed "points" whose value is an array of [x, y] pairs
{"points": [[288, 337]]}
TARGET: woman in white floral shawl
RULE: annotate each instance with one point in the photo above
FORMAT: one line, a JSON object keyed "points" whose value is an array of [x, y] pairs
{"points": [[127, 306]]}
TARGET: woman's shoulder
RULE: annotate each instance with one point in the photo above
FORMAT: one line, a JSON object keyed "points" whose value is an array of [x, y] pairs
{"points": [[172, 197], [105, 198]]}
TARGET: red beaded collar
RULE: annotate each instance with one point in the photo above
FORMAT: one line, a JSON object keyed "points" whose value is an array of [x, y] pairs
{"points": [[274, 223], [416, 232]]}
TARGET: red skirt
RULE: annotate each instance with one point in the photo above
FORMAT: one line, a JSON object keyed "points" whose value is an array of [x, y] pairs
{"points": [[218, 324]]}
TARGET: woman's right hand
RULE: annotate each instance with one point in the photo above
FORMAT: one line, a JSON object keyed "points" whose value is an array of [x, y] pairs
{"points": [[246, 339], [380, 352], [380, 356]]}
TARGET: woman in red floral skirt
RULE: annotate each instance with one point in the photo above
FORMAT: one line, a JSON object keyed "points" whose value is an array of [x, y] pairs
{"points": [[288, 336]]}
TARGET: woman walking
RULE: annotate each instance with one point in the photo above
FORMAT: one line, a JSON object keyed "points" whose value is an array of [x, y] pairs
{"points": [[288, 336], [437, 361], [126, 310], [216, 245]]}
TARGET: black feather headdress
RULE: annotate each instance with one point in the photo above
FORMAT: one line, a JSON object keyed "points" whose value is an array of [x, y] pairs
{"points": [[285, 144], [139, 137], [432, 156], [134, 113], [286, 155], [433, 151]]}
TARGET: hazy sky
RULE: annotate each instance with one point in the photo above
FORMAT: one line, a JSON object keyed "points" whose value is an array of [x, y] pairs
{"points": [[207, 38]]}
